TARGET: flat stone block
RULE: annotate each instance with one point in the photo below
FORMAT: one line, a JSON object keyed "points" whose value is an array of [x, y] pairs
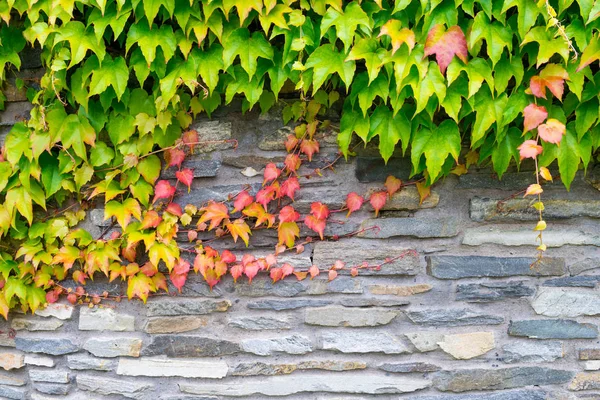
{"points": [[163, 367], [383, 228], [552, 329], [457, 267], [105, 319]]}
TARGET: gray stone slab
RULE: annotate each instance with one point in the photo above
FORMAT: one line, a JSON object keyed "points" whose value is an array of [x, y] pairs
{"points": [[52, 388], [200, 168], [589, 281], [359, 341], [410, 367], [566, 302], [552, 329], [260, 323], [355, 252], [13, 393], [462, 380], [492, 291], [105, 319], [113, 346], [106, 386], [452, 317], [586, 264], [374, 169], [485, 209], [86, 362], [555, 236], [189, 346], [349, 317], [526, 394], [383, 228], [291, 304], [15, 112], [294, 344], [532, 352], [173, 307], [457, 267], [54, 347]]}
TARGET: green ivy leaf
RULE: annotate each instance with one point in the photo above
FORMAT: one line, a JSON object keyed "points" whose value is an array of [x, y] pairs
{"points": [[149, 39], [80, 41], [506, 150], [496, 36], [18, 143], [436, 145], [149, 168], [112, 72], [248, 48], [101, 154], [120, 128], [390, 129], [345, 23], [325, 61]]}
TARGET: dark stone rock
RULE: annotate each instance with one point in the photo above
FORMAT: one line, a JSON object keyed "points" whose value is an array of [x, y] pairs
{"points": [[584, 265], [265, 287], [55, 347], [15, 112], [279, 305], [234, 159], [415, 227], [409, 367], [552, 329], [52, 388], [162, 307], [457, 267], [31, 57], [200, 193], [362, 302], [525, 394], [189, 346], [589, 281], [492, 291], [374, 169], [99, 286], [589, 354], [452, 317], [496, 379], [510, 181], [201, 168], [484, 209]]}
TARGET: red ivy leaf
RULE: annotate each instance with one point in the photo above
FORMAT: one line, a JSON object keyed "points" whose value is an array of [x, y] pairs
{"points": [[236, 271], [175, 209], [378, 200], [353, 202], [242, 200], [192, 235], [174, 157], [151, 220], [534, 116], [445, 45], [552, 77], [291, 142], [215, 213], [392, 185], [163, 190], [332, 274], [271, 173], [313, 271], [292, 162], [552, 131], [190, 138], [250, 270], [529, 149], [185, 176], [276, 274], [309, 147], [288, 214], [289, 187], [267, 194]]}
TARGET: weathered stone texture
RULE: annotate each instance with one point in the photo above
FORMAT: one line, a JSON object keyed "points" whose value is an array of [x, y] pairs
{"points": [[294, 344], [114, 347], [189, 346], [105, 319], [165, 367], [109, 386], [532, 352], [457, 267], [186, 307], [342, 316], [485, 209], [553, 329], [46, 345], [492, 291], [453, 317], [566, 303], [464, 346], [383, 228], [363, 342]]}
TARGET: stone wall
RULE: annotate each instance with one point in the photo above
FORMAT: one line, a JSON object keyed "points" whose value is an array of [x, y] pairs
{"points": [[466, 318]]}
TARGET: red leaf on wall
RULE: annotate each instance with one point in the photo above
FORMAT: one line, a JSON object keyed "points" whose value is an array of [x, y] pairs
{"points": [[242, 200], [353, 202], [185, 176], [378, 200], [288, 214], [319, 210], [163, 190], [392, 184], [445, 45], [309, 147], [289, 187], [271, 173], [174, 157], [534, 115]]}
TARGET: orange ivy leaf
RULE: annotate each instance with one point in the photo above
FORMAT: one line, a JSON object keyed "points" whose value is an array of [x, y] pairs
{"points": [[203, 263], [552, 131], [215, 213], [292, 162], [534, 116], [445, 45], [291, 142], [174, 157], [392, 184], [287, 269], [332, 274], [228, 257], [353, 202], [151, 220], [276, 274], [163, 190], [309, 147], [185, 176], [160, 282], [288, 214], [239, 229], [236, 271], [289, 187], [545, 173], [242, 200], [250, 270], [399, 35], [267, 194], [79, 277], [378, 200], [140, 286], [287, 233], [313, 271], [179, 274], [423, 190], [301, 275], [271, 173], [552, 77], [319, 210], [257, 211], [529, 149], [190, 138], [175, 209], [315, 224], [67, 255]]}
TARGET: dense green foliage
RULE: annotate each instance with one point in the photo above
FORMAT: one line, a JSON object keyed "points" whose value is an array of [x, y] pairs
{"points": [[126, 77]]}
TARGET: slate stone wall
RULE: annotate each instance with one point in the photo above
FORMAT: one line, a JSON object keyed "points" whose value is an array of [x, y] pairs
{"points": [[465, 318]]}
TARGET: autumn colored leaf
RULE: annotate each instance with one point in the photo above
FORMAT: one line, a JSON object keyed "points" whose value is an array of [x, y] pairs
{"points": [[288, 214], [257, 211], [552, 131], [423, 190], [276, 274], [287, 233], [190, 138], [236, 271], [123, 211], [533, 189], [534, 116], [315, 224], [309, 147], [445, 45], [215, 213], [242, 200], [250, 270], [545, 173], [392, 184], [66, 256], [398, 35], [553, 77], [179, 274], [332, 274], [301, 275], [185, 176], [590, 54], [291, 142], [313, 271], [163, 190], [175, 209], [228, 257], [139, 286], [292, 162], [174, 157], [239, 228], [529, 149], [377, 201], [353, 202], [271, 173], [319, 210], [151, 220], [289, 187], [267, 194]]}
